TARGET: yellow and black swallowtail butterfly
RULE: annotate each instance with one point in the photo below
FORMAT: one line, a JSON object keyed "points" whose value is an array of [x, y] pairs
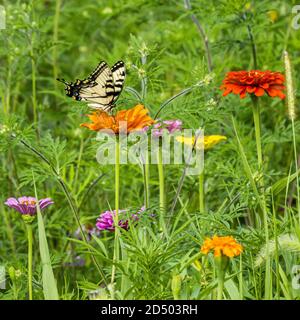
{"points": [[101, 88]]}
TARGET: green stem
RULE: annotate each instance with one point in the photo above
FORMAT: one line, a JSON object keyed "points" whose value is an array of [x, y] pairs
{"points": [[202, 34], [241, 286], [221, 275], [15, 290], [78, 163], [256, 118], [181, 93], [146, 184], [201, 192], [161, 177], [117, 180], [29, 267], [253, 46], [144, 80], [221, 263], [33, 75], [162, 194], [6, 106], [276, 251], [55, 39], [116, 217], [33, 79], [296, 167]]}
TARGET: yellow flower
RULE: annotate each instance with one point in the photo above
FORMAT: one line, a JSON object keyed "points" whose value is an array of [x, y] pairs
{"points": [[222, 246], [273, 15], [136, 119], [208, 141]]}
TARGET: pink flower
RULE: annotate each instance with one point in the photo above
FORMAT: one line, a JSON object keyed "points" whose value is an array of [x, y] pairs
{"points": [[28, 205], [173, 125], [106, 220], [170, 125]]}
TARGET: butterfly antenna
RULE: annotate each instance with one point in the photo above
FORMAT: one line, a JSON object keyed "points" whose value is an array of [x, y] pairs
{"points": [[63, 81]]}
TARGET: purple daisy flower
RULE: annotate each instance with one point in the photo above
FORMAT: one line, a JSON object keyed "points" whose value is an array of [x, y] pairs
{"points": [[27, 205], [106, 220]]}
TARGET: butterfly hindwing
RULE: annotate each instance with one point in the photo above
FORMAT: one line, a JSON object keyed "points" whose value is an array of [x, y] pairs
{"points": [[101, 88], [118, 72]]}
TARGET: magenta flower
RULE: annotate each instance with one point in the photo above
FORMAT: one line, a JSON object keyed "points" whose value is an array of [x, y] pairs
{"points": [[173, 125], [169, 125], [27, 205], [106, 220]]}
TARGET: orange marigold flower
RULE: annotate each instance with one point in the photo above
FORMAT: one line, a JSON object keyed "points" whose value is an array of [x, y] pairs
{"points": [[254, 82], [129, 120], [225, 246]]}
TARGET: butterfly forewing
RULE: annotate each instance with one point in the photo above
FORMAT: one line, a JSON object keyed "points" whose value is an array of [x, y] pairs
{"points": [[102, 65], [98, 87], [101, 88]]}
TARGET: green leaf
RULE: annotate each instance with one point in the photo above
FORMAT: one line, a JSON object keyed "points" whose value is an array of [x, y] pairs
{"points": [[232, 290], [281, 184], [49, 283]]}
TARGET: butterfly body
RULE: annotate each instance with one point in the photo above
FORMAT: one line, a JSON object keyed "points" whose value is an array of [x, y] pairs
{"points": [[101, 88]]}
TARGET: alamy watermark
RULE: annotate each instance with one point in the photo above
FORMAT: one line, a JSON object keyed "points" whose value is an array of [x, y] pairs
{"points": [[2, 18], [183, 147], [296, 19], [296, 277], [2, 277]]}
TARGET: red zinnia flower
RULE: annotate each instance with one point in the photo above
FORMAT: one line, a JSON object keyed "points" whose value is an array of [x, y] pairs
{"points": [[254, 82]]}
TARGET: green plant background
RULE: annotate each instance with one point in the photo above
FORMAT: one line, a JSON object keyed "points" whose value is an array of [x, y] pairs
{"points": [[44, 40]]}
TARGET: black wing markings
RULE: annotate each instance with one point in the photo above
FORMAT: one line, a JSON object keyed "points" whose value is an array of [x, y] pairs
{"points": [[101, 88]]}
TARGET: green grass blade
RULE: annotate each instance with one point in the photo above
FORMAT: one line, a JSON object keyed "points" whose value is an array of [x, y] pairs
{"points": [[49, 283]]}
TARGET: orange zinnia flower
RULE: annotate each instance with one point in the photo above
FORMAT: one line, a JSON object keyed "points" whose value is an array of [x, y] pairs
{"points": [[254, 82], [126, 121], [225, 246]]}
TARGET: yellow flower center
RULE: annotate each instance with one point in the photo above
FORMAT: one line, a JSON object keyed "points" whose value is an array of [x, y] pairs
{"points": [[29, 203]]}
